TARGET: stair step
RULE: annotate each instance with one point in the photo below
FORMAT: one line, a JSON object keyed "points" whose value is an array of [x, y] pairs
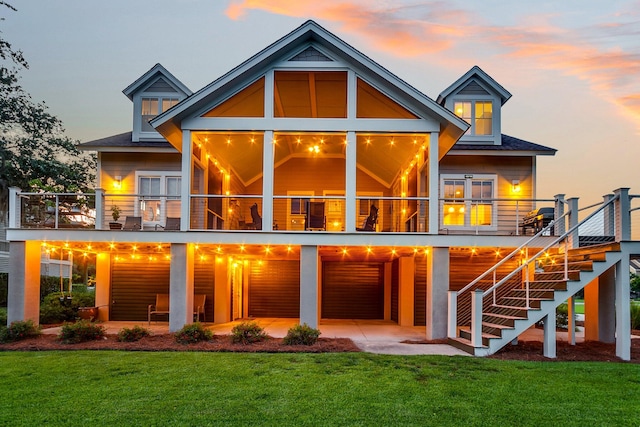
{"points": [[556, 275], [502, 319], [502, 310], [535, 293], [465, 332], [462, 344], [494, 328], [581, 266], [588, 250], [533, 302], [551, 285]]}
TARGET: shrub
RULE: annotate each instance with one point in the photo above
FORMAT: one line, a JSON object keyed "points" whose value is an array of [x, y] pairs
{"points": [[301, 335], [193, 333], [247, 332], [3, 316], [19, 331], [57, 309], [81, 331], [133, 334], [635, 316], [562, 316]]}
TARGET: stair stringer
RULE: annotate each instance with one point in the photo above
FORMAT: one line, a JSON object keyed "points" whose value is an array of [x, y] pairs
{"points": [[548, 306]]}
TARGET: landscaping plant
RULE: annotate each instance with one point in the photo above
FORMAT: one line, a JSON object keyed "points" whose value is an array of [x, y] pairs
{"points": [[17, 331], [57, 308], [133, 334], [301, 335], [247, 333], [81, 331], [193, 333], [635, 315]]}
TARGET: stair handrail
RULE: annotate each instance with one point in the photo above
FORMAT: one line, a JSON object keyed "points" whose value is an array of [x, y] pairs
{"points": [[550, 245]]}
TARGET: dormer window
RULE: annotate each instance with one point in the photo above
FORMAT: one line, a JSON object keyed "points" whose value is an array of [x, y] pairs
{"points": [[479, 114], [151, 107]]}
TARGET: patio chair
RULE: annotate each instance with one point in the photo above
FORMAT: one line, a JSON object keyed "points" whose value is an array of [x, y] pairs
{"points": [[172, 224], [371, 221], [257, 219], [160, 307], [198, 306], [132, 223], [315, 216]]}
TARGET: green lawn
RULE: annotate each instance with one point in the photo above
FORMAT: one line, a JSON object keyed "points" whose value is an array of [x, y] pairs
{"points": [[189, 388]]}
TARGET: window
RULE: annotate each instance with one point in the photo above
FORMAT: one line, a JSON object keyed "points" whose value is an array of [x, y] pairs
{"points": [[151, 107], [299, 206], [158, 196], [297, 209], [479, 114], [460, 210]]}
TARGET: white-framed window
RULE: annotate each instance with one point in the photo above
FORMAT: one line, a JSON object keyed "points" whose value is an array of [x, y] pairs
{"points": [[468, 201], [297, 209], [158, 196], [153, 106], [479, 114]]}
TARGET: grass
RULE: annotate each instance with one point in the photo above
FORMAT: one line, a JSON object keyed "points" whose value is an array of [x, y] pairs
{"points": [[191, 388]]}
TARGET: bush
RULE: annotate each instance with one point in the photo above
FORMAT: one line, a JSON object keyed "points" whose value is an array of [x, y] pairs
{"points": [[301, 335], [247, 332], [81, 331], [57, 309], [3, 316], [133, 334], [193, 333], [635, 316], [19, 331], [562, 316]]}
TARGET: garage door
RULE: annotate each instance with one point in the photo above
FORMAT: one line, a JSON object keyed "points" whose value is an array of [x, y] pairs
{"points": [[274, 289], [352, 290]]}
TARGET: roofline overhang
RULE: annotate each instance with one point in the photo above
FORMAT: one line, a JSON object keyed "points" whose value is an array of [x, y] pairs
{"points": [[129, 149], [475, 70], [158, 68], [503, 153]]}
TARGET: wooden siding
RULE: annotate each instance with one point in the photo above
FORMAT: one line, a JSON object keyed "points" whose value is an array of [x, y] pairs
{"points": [[420, 292], [352, 290], [274, 289], [160, 85], [473, 88], [135, 283], [395, 289], [465, 267]]}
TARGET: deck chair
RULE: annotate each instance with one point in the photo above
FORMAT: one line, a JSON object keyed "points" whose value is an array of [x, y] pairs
{"points": [[315, 216], [172, 224], [132, 223], [198, 306], [257, 219], [371, 221], [160, 307]]}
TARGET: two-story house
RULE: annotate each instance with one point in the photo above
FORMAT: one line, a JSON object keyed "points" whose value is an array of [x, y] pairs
{"points": [[309, 182]]}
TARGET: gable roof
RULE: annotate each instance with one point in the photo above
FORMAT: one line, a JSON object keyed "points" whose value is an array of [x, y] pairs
{"points": [[168, 123], [156, 71], [124, 142], [478, 73]]}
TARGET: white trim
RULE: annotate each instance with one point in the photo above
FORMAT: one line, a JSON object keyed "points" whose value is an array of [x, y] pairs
{"points": [[468, 179], [161, 216]]}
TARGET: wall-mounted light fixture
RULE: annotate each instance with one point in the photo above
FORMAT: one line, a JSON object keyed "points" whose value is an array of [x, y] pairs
{"points": [[117, 184], [515, 186]]}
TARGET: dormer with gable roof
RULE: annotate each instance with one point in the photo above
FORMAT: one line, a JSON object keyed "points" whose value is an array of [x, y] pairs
{"points": [[477, 98], [153, 93]]}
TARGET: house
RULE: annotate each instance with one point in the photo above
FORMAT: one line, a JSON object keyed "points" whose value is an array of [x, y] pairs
{"points": [[311, 183]]}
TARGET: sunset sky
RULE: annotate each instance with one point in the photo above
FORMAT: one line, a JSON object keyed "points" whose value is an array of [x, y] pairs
{"points": [[573, 66]]}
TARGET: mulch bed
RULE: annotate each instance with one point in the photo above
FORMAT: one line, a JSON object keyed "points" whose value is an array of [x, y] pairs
{"points": [[166, 342]]}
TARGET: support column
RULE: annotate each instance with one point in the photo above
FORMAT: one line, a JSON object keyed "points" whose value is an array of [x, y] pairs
{"points": [[24, 282], [185, 190], [623, 215], [549, 340], [387, 290], [103, 286], [267, 180], [406, 285], [309, 263], [573, 221], [99, 203], [351, 190], [434, 184], [558, 211], [222, 293], [623, 308], [181, 286], [437, 297], [571, 321]]}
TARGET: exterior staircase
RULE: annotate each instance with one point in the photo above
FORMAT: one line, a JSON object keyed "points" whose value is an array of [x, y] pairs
{"points": [[556, 278]]}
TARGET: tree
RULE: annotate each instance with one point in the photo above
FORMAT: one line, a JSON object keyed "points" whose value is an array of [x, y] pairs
{"points": [[35, 154]]}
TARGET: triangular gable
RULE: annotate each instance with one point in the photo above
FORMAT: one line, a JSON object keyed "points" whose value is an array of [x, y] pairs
{"points": [[473, 88], [249, 102], [157, 77], [481, 79], [311, 54], [373, 104]]}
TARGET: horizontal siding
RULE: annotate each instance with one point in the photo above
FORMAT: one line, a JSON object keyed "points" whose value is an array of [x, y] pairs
{"points": [[420, 292], [352, 290], [465, 267], [274, 289]]}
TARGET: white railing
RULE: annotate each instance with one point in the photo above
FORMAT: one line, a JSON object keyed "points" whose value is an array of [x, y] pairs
{"points": [[466, 305], [52, 210]]}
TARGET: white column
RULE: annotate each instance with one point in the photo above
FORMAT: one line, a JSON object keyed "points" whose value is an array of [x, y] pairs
{"points": [[99, 195], [267, 181], [623, 219], [559, 227], [434, 183], [452, 327], [309, 263], [609, 216], [185, 190], [24, 281], [476, 318], [623, 308], [573, 221], [350, 178], [14, 207], [437, 292], [549, 339], [103, 285], [181, 286]]}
